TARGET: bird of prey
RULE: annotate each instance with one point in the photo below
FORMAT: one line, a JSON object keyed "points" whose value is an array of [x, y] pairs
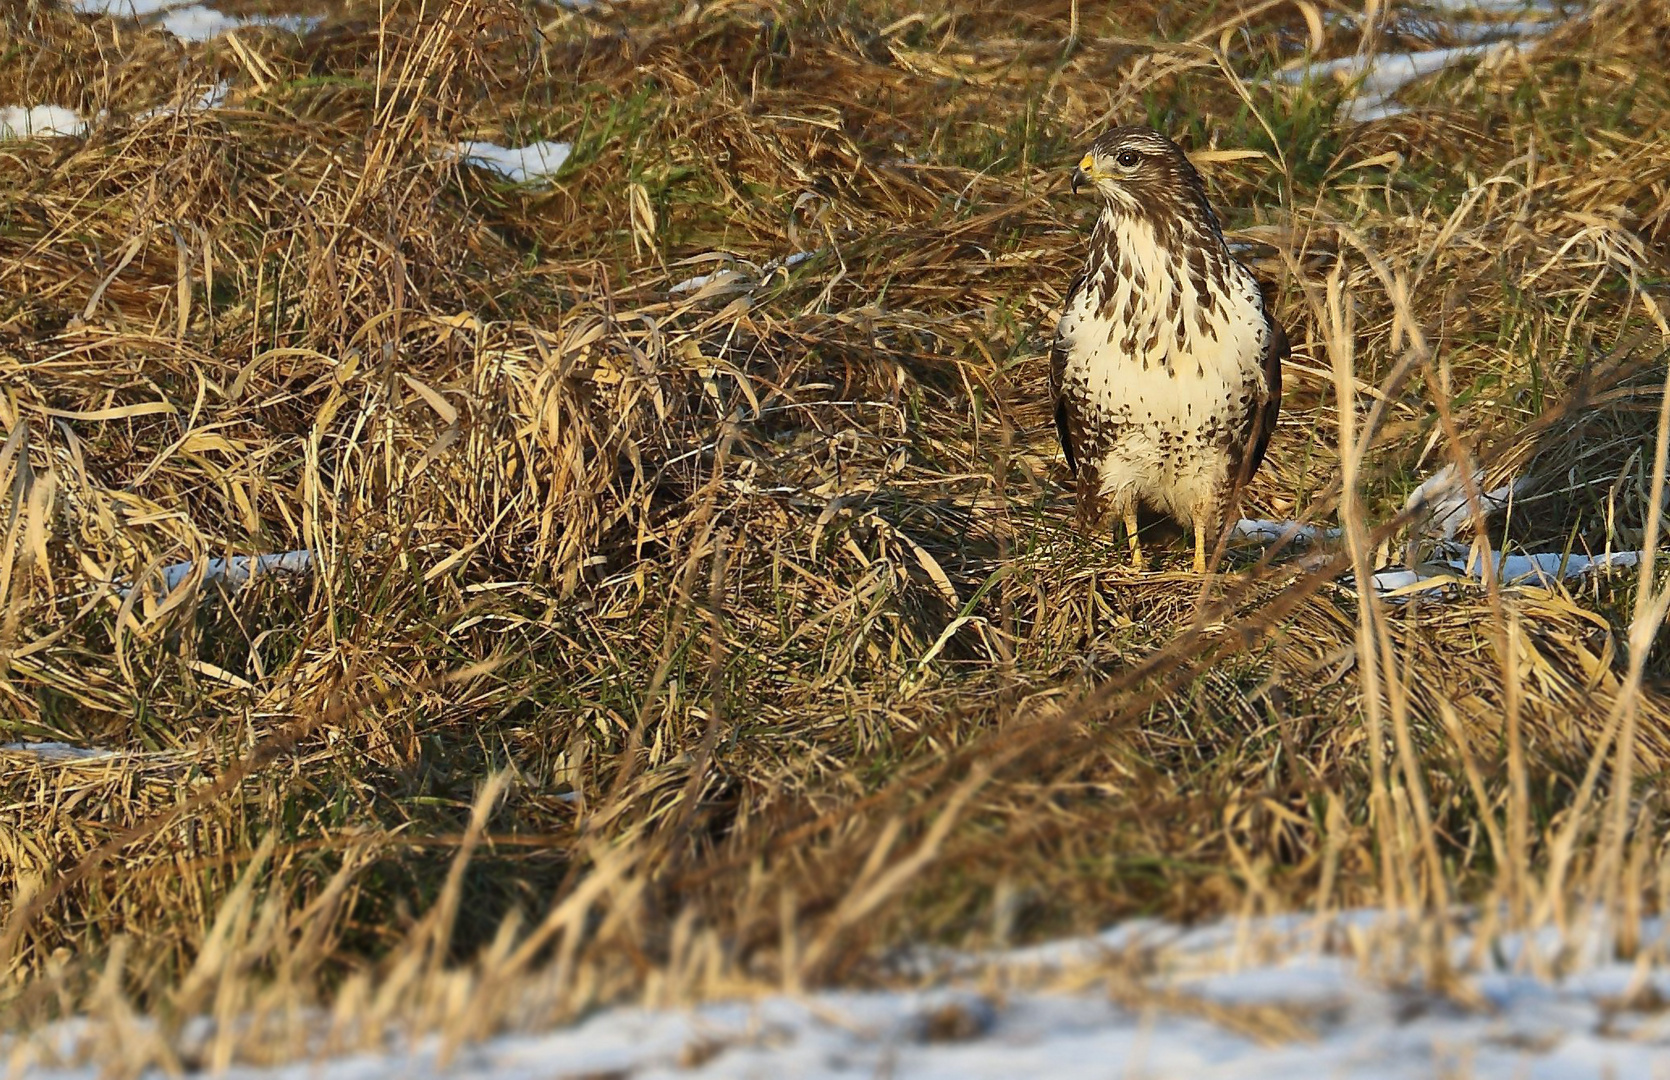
{"points": [[1166, 365]]}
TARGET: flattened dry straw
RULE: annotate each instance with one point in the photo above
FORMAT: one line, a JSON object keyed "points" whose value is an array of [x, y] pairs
{"points": [[760, 598]]}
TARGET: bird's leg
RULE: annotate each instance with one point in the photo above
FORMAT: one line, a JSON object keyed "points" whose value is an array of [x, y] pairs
{"points": [[1131, 537], [1200, 546]]}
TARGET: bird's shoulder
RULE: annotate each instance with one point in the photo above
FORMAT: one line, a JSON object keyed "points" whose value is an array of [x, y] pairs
{"points": [[1061, 342]]}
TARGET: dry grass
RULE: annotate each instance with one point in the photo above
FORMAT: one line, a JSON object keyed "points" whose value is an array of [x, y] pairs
{"points": [[668, 643]]}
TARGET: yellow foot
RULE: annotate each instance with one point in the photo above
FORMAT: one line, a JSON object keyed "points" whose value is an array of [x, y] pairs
{"points": [[1200, 548], [1131, 537]]}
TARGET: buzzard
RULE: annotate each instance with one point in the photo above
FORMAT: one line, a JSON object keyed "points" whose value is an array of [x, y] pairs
{"points": [[1166, 365]]}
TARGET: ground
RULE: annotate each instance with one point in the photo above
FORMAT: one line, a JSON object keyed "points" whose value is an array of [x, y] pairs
{"points": [[682, 594]]}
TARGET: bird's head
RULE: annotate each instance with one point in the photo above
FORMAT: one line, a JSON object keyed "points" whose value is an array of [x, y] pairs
{"points": [[1138, 170]]}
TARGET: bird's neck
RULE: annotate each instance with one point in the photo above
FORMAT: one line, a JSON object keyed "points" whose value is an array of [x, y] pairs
{"points": [[1167, 284], [1137, 251]]}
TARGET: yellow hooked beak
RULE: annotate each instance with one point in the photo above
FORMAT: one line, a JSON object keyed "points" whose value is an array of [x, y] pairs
{"points": [[1086, 173]]}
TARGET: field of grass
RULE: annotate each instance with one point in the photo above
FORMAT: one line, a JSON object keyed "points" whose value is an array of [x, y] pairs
{"points": [[660, 643]]}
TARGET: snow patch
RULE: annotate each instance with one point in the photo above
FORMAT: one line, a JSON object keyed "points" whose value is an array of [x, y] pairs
{"points": [[720, 279], [1542, 569], [40, 121], [194, 22], [521, 165], [1266, 531], [1443, 498], [1376, 78], [235, 572], [54, 751], [199, 23], [133, 9], [738, 276], [1499, 7], [1265, 999], [1443, 510]]}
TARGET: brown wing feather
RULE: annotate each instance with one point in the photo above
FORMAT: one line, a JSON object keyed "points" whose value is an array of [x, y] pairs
{"points": [[1262, 421], [1058, 368]]}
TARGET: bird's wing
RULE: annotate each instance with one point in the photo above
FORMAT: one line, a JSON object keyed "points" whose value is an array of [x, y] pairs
{"points": [[1058, 368], [1262, 420]]}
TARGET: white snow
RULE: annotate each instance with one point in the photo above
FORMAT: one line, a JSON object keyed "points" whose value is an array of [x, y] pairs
{"points": [[130, 8], [1266, 531], [1493, 6], [235, 572], [719, 279], [533, 162], [199, 23], [1441, 500], [1541, 569], [1444, 499], [54, 751], [46, 121], [739, 274], [1275, 998], [39, 121], [1376, 78], [1443, 508], [194, 22]]}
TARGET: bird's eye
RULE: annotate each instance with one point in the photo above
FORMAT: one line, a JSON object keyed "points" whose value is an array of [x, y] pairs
{"points": [[1128, 159]]}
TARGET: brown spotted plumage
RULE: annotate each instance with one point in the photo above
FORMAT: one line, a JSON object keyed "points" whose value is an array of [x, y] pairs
{"points": [[1166, 366]]}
